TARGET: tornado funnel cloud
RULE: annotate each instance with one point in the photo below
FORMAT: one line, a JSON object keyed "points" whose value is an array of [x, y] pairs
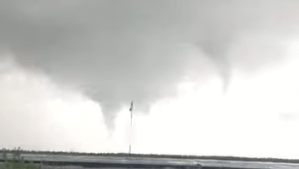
{"points": [[133, 49]]}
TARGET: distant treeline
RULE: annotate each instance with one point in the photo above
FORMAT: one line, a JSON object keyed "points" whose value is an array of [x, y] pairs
{"points": [[232, 158]]}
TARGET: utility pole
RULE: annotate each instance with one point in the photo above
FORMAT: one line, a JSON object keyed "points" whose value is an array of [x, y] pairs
{"points": [[131, 112]]}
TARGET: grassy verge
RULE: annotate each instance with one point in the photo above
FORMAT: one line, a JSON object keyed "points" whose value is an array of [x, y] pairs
{"points": [[17, 162]]}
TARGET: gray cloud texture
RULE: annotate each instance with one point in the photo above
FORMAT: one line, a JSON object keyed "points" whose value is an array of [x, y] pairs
{"points": [[121, 50]]}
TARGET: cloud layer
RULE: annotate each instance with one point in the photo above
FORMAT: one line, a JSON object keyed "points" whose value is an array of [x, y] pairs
{"points": [[118, 51]]}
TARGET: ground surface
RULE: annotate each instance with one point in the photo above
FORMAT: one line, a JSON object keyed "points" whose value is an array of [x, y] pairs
{"points": [[153, 159]]}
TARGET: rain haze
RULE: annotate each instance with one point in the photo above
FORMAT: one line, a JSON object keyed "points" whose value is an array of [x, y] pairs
{"points": [[207, 77]]}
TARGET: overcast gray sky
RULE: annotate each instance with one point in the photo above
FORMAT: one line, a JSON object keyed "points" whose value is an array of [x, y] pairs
{"points": [[111, 52]]}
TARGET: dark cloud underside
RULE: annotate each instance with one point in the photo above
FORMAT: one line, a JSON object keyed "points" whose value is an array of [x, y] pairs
{"points": [[117, 51]]}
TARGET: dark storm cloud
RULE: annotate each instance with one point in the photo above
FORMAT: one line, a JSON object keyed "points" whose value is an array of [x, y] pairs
{"points": [[117, 51]]}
